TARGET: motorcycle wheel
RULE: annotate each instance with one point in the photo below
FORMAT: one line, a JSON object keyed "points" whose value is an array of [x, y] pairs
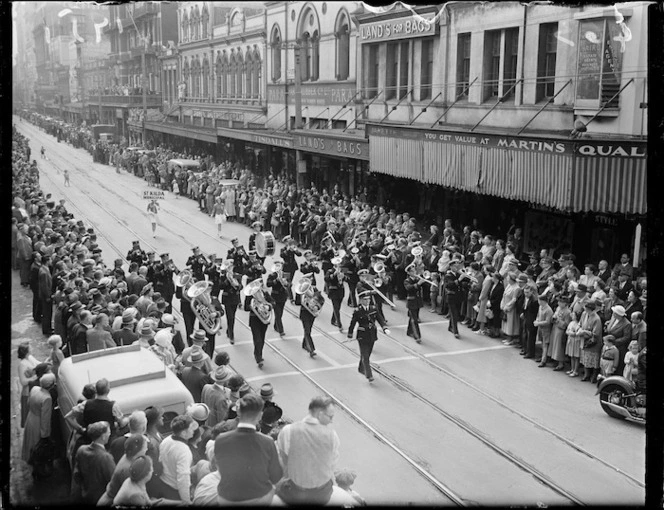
{"points": [[614, 394]]}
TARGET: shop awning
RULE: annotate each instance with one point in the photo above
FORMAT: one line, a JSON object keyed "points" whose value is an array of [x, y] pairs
{"points": [[188, 131], [568, 175], [614, 184], [262, 137]]}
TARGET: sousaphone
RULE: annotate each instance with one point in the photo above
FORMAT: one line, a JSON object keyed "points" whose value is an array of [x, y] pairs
{"points": [[201, 304]]}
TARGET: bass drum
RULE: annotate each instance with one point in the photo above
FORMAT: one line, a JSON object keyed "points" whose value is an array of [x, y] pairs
{"points": [[265, 244]]}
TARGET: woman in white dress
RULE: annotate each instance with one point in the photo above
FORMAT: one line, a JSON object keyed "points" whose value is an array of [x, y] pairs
{"points": [[219, 213], [153, 209]]}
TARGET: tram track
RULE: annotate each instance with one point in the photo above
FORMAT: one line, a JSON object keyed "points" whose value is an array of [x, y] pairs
{"points": [[442, 488], [468, 428]]}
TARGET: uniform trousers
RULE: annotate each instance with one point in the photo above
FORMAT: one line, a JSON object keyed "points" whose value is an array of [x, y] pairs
{"points": [[413, 323], [453, 300], [308, 324], [336, 311], [188, 316], [278, 308], [352, 298], [366, 347], [258, 330], [230, 320]]}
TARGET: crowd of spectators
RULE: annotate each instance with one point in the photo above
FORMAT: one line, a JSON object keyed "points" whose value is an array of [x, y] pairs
{"points": [[199, 457]]}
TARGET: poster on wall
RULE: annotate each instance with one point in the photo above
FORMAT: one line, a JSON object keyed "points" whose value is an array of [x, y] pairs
{"points": [[589, 63], [547, 231]]}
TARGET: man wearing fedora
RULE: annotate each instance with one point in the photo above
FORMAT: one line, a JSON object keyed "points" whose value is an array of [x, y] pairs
{"points": [[198, 339], [168, 321], [196, 376], [271, 411], [217, 396], [145, 337], [620, 327]]}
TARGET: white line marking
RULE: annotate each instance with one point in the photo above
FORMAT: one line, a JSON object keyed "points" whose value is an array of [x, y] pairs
{"points": [[466, 351], [433, 323], [331, 361], [310, 371]]}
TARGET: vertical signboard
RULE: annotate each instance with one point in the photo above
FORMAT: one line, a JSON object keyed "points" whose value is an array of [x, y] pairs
{"points": [[589, 63]]}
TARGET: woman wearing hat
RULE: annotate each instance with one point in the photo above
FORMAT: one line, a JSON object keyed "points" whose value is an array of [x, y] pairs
{"points": [[510, 315], [590, 330], [561, 319], [620, 327], [38, 421], [494, 299]]}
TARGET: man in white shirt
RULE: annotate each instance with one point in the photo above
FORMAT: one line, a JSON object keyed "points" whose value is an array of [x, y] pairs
{"points": [[309, 450], [176, 459]]}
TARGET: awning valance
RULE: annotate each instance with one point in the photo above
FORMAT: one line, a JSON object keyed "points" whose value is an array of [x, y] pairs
{"points": [[188, 131]]}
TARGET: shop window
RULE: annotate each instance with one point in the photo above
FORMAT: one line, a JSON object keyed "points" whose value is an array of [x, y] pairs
{"points": [[492, 64], [599, 63], [546, 61], [275, 48], [315, 56], [305, 57], [426, 72], [463, 64], [511, 57], [370, 74], [205, 18]]}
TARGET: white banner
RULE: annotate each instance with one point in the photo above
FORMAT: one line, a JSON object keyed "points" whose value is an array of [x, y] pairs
{"points": [[149, 194]]}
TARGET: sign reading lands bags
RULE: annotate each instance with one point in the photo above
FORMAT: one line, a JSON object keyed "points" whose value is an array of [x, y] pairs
{"points": [[150, 194]]}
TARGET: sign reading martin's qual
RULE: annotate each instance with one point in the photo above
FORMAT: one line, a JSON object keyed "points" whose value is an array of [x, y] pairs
{"points": [[150, 194]]}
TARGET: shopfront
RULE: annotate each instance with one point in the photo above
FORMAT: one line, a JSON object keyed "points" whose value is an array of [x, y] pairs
{"points": [[558, 189], [332, 158]]}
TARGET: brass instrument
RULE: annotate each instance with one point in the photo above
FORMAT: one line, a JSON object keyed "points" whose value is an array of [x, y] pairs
{"points": [[336, 262], [201, 304], [375, 281], [417, 251], [466, 274], [312, 300], [426, 277], [173, 267], [259, 304], [184, 279], [277, 268], [231, 279]]}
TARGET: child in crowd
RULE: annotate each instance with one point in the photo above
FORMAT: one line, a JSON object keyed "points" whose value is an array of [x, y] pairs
{"points": [[610, 356], [573, 348], [631, 357], [345, 479]]}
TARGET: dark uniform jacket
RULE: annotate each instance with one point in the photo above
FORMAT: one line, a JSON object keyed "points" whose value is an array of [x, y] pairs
{"points": [[279, 292], [335, 289], [413, 294], [288, 256], [366, 324], [231, 295]]}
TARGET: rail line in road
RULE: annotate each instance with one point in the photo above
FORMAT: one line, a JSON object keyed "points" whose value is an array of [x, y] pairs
{"points": [[442, 488], [396, 381]]}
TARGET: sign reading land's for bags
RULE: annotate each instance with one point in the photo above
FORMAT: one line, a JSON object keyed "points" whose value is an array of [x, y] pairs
{"points": [[149, 194]]}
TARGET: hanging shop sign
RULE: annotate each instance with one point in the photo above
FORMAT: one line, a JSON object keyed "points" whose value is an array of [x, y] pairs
{"points": [[314, 95], [255, 137], [400, 28], [333, 146]]}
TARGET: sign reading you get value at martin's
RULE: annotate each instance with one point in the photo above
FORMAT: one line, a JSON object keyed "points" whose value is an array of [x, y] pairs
{"points": [[399, 28]]}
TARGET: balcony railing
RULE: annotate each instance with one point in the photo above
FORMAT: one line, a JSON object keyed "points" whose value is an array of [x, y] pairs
{"points": [[133, 100], [225, 100]]}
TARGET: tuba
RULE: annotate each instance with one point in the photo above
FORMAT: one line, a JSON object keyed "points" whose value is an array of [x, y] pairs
{"points": [[201, 304], [259, 304], [185, 280], [312, 300]]}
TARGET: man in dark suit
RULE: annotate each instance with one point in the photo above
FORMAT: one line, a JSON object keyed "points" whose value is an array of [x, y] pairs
{"points": [[248, 462], [45, 283], [365, 316], [625, 266], [528, 312], [603, 271], [196, 376]]}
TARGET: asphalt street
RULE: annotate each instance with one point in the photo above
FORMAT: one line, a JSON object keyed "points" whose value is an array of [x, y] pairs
{"points": [[468, 416]]}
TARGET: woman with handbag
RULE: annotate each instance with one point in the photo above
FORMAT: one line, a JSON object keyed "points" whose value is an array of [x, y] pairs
{"points": [[483, 300], [590, 330], [38, 422], [509, 314]]}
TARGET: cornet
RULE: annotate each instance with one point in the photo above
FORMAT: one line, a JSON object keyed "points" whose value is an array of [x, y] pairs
{"points": [[426, 277]]}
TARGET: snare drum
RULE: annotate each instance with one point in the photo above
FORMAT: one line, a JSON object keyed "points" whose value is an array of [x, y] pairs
{"points": [[265, 244]]}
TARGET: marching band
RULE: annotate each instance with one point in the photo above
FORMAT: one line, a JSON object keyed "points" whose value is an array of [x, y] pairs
{"points": [[373, 268]]}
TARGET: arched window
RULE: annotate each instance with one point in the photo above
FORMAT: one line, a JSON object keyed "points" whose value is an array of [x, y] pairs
{"points": [[275, 48], [218, 76], [239, 62], [225, 74], [305, 56], [315, 56], [233, 73], [196, 79], [249, 68], [256, 76], [192, 22], [186, 74], [205, 19], [206, 78], [342, 36], [185, 26], [197, 24]]}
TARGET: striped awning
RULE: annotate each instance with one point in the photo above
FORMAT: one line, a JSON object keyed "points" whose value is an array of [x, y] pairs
{"points": [[610, 185], [188, 131]]}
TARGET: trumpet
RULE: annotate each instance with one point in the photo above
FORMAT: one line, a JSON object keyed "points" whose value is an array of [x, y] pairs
{"points": [[426, 277]]}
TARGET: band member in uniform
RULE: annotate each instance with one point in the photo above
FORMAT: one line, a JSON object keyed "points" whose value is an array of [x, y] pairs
{"points": [[365, 317], [252, 238], [393, 259], [197, 263], [352, 264], [163, 281], [150, 265], [188, 315], [288, 254], [452, 288], [136, 254], [413, 286], [258, 327], [326, 254], [238, 255], [334, 280], [255, 268], [307, 318], [309, 266], [231, 286], [280, 291]]}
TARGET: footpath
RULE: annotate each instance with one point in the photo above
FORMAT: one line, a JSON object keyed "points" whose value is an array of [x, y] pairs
{"points": [[23, 490]]}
